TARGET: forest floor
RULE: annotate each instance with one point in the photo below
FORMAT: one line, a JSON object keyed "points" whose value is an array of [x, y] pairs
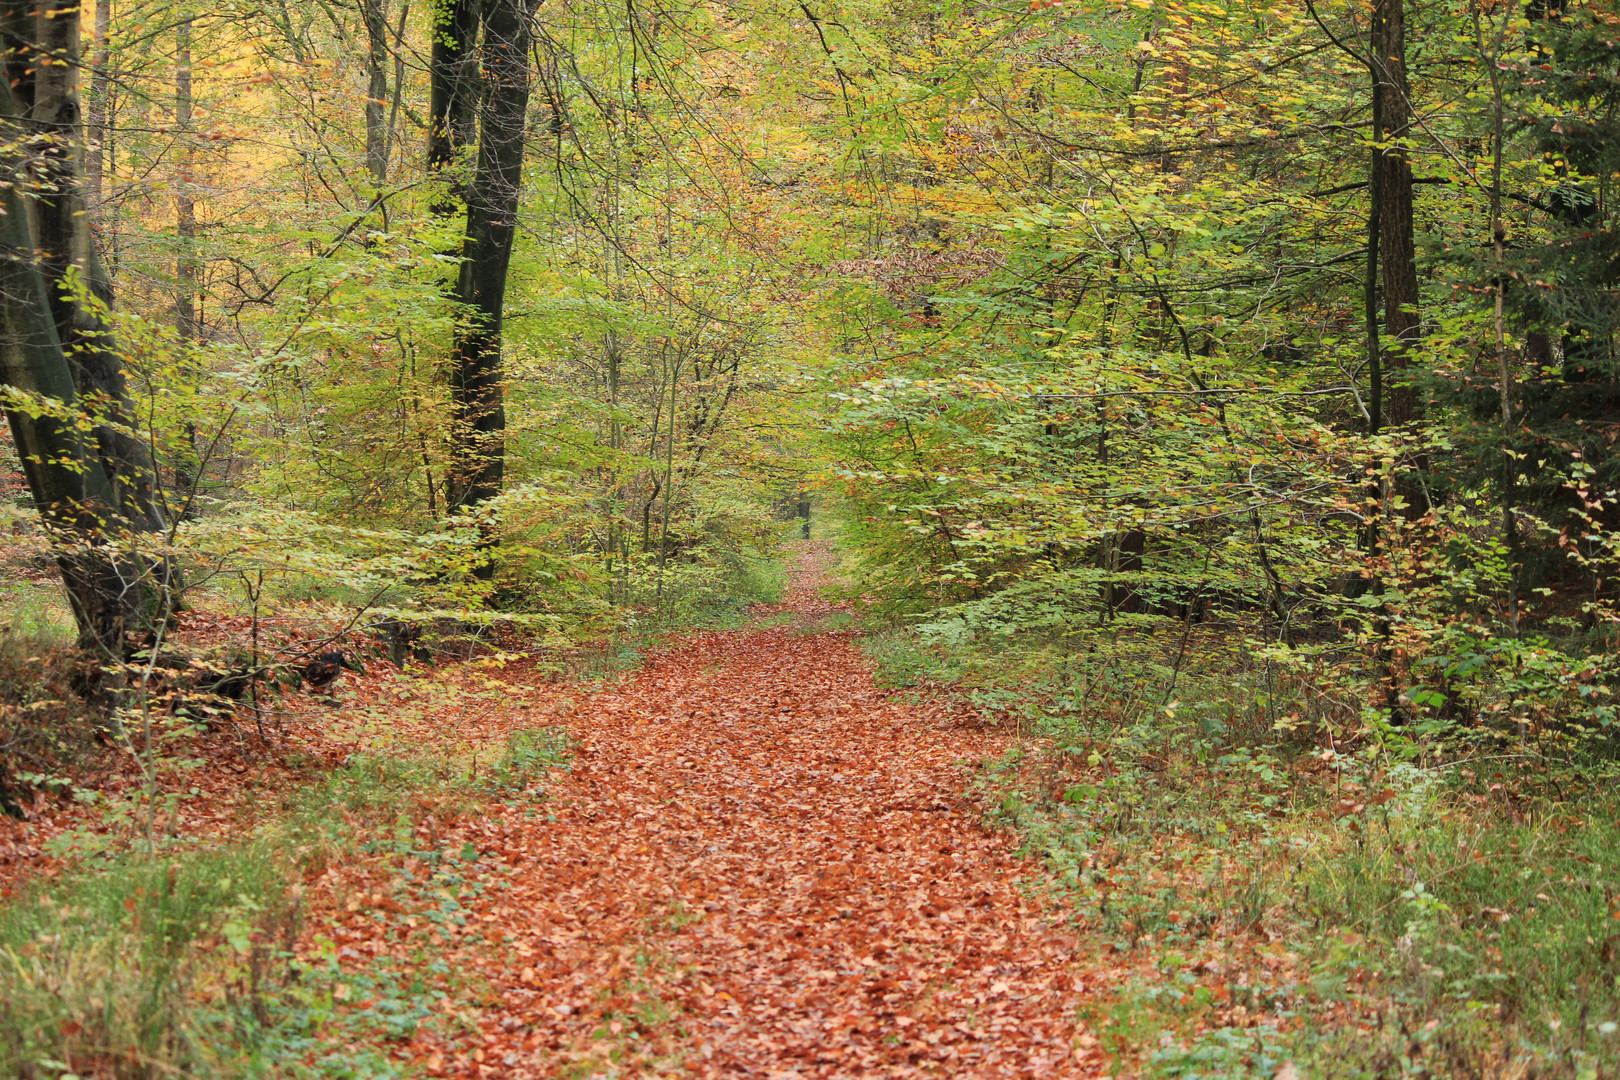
{"points": [[741, 858], [736, 853], [758, 864]]}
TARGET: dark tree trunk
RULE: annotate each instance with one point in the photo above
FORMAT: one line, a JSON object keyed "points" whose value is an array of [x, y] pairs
{"points": [[453, 90], [1375, 352], [96, 489], [1392, 187], [65, 477], [68, 256], [1125, 550], [478, 418]]}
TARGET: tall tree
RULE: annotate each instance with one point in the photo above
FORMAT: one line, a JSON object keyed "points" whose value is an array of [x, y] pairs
{"points": [[478, 416], [488, 103], [1392, 190], [374, 13], [187, 265], [96, 487], [186, 270], [96, 115], [453, 89]]}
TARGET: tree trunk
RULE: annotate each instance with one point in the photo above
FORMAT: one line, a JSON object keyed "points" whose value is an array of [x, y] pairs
{"points": [[187, 268], [478, 418], [1392, 188], [453, 90], [1369, 287], [186, 271], [95, 488], [96, 128], [375, 15]]}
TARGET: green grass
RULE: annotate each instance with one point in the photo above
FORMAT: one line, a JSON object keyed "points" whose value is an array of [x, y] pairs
{"points": [[1493, 926], [714, 590], [1429, 931], [181, 962], [1357, 915], [184, 966], [165, 966], [900, 660], [36, 613], [47, 729], [528, 757]]}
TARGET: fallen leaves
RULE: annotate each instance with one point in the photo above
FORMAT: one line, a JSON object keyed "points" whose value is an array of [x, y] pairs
{"points": [[758, 863], [762, 865]]}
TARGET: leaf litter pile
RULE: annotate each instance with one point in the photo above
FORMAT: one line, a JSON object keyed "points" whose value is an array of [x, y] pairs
{"points": [[758, 864]]}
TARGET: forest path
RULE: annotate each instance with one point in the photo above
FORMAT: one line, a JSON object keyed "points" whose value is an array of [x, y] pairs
{"points": [[762, 865]]}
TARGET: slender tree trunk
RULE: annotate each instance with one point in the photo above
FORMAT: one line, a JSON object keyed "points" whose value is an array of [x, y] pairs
{"points": [[478, 417], [1375, 351], [1358, 585], [392, 123], [1490, 57], [374, 13], [187, 273], [187, 267], [1392, 185], [96, 111]]}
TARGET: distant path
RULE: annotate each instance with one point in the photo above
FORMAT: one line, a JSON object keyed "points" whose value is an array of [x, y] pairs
{"points": [[763, 866]]}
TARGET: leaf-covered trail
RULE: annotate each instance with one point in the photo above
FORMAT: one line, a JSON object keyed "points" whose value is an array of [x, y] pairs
{"points": [[761, 865]]}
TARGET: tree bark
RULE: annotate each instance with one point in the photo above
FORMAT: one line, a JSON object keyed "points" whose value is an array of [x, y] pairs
{"points": [[374, 13], [95, 488], [97, 117], [478, 418], [187, 267], [186, 271], [453, 91], [1375, 350], [1392, 187]]}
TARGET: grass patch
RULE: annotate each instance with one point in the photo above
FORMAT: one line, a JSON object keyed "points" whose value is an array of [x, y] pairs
{"points": [[1416, 931], [1369, 913], [47, 730], [36, 611], [713, 587], [528, 757], [900, 661], [184, 967], [1483, 933], [182, 963], [839, 622]]}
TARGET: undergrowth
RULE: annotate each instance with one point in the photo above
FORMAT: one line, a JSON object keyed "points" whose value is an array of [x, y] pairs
{"points": [[188, 960], [1274, 906], [715, 586], [46, 726]]}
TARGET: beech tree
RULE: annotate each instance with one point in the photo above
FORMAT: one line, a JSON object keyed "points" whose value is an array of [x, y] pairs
{"points": [[493, 101], [89, 472]]}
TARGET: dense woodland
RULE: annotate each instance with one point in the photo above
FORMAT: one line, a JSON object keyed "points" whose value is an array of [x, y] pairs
{"points": [[1081, 317], [1223, 397]]}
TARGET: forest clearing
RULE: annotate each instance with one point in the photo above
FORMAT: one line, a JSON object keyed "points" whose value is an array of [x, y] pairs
{"points": [[837, 538]]}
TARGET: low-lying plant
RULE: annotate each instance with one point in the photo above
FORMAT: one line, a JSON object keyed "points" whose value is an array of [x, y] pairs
{"points": [[1379, 909]]}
